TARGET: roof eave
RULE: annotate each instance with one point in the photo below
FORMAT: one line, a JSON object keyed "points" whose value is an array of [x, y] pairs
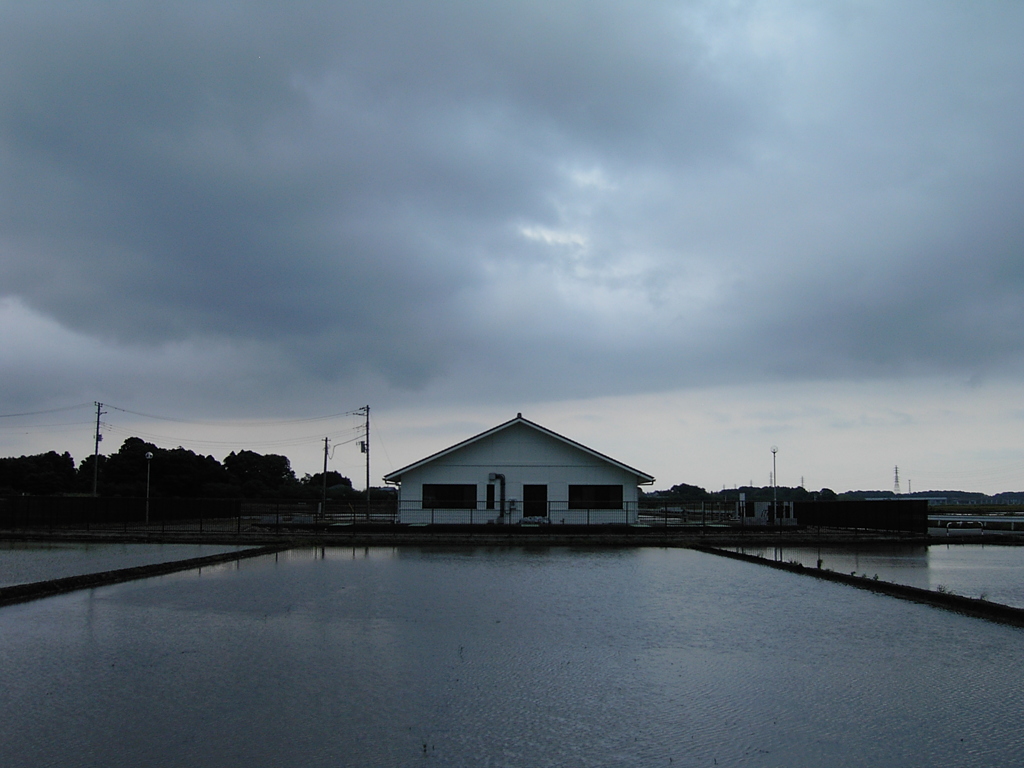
{"points": [[396, 477]]}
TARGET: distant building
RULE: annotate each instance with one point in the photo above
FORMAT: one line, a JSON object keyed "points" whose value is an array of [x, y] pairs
{"points": [[518, 470]]}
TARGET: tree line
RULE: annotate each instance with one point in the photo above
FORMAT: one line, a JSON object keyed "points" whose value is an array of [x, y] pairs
{"points": [[175, 472], [180, 473], [684, 494]]}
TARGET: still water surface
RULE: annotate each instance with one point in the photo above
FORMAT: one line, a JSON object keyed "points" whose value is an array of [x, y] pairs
{"points": [[503, 657], [23, 562], [993, 572]]}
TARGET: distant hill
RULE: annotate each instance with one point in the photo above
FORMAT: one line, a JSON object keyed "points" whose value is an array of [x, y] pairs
{"points": [[949, 497], [686, 494]]}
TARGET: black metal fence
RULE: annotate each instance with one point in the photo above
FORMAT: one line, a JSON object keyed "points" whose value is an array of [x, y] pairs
{"points": [[889, 515], [695, 514], [561, 513], [116, 514], [119, 514], [516, 512]]}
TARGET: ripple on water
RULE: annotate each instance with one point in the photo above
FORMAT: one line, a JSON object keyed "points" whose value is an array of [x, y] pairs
{"points": [[505, 658]]}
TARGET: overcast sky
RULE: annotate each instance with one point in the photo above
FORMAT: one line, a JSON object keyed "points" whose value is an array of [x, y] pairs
{"points": [[679, 232]]}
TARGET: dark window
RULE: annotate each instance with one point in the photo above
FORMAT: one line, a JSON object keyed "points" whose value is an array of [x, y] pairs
{"points": [[535, 501], [439, 496], [595, 497], [490, 495]]}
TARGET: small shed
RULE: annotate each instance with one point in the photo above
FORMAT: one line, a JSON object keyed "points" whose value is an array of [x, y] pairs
{"points": [[518, 472]]}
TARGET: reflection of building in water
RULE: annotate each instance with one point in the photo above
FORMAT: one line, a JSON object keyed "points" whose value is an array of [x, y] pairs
{"points": [[518, 472]]}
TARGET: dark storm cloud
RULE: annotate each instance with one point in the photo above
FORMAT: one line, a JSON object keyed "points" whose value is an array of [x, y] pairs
{"points": [[530, 199]]}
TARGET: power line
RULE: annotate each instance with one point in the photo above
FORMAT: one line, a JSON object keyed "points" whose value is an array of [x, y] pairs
{"points": [[26, 428], [233, 424], [380, 439], [297, 440], [996, 472], [236, 423], [336, 443], [40, 413]]}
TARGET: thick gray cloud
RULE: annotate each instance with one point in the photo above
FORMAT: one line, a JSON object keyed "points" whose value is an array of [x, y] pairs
{"points": [[516, 200]]}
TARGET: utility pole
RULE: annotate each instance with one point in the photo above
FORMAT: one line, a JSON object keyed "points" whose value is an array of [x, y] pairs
{"points": [[366, 450], [775, 487], [149, 461], [323, 499], [96, 449]]}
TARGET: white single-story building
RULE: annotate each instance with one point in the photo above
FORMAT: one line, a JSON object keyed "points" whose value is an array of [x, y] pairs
{"points": [[518, 470]]}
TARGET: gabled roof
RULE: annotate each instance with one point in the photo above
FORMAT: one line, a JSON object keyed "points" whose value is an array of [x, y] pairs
{"points": [[642, 477]]}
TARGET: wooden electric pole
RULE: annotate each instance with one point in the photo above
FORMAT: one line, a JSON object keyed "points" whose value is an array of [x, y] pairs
{"points": [[366, 450], [96, 449], [323, 498]]}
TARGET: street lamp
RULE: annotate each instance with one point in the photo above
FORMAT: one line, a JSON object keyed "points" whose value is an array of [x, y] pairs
{"points": [[775, 487], [149, 461]]}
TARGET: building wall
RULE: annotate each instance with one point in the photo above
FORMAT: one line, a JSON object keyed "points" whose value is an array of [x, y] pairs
{"points": [[526, 457]]}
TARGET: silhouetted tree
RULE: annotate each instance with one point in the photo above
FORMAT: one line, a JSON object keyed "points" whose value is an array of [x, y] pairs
{"points": [[338, 486], [83, 477], [334, 479], [43, 474], [177, 472], [678, 494], [261, 476]]}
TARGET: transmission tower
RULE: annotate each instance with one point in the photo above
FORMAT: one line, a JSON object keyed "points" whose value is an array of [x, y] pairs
{"points": [[896, 483]]}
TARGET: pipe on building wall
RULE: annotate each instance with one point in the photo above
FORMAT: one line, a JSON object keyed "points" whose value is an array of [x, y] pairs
{"points": [[501, 504]]}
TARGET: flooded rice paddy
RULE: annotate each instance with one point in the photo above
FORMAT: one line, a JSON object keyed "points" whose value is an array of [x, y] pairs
{"points": [[989, 571], [503, 657], [29, 561]]}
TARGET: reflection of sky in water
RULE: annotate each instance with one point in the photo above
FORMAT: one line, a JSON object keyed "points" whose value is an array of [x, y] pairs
{"points": [[25, 562], [540, 657], [992, 571]]}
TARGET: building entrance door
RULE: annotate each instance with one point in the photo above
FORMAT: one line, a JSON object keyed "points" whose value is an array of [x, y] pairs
{"points": [[535, 501]]}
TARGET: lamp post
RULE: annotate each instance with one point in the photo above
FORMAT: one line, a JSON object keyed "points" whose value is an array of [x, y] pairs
{"points": [[775, 487], [149, 461]]}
